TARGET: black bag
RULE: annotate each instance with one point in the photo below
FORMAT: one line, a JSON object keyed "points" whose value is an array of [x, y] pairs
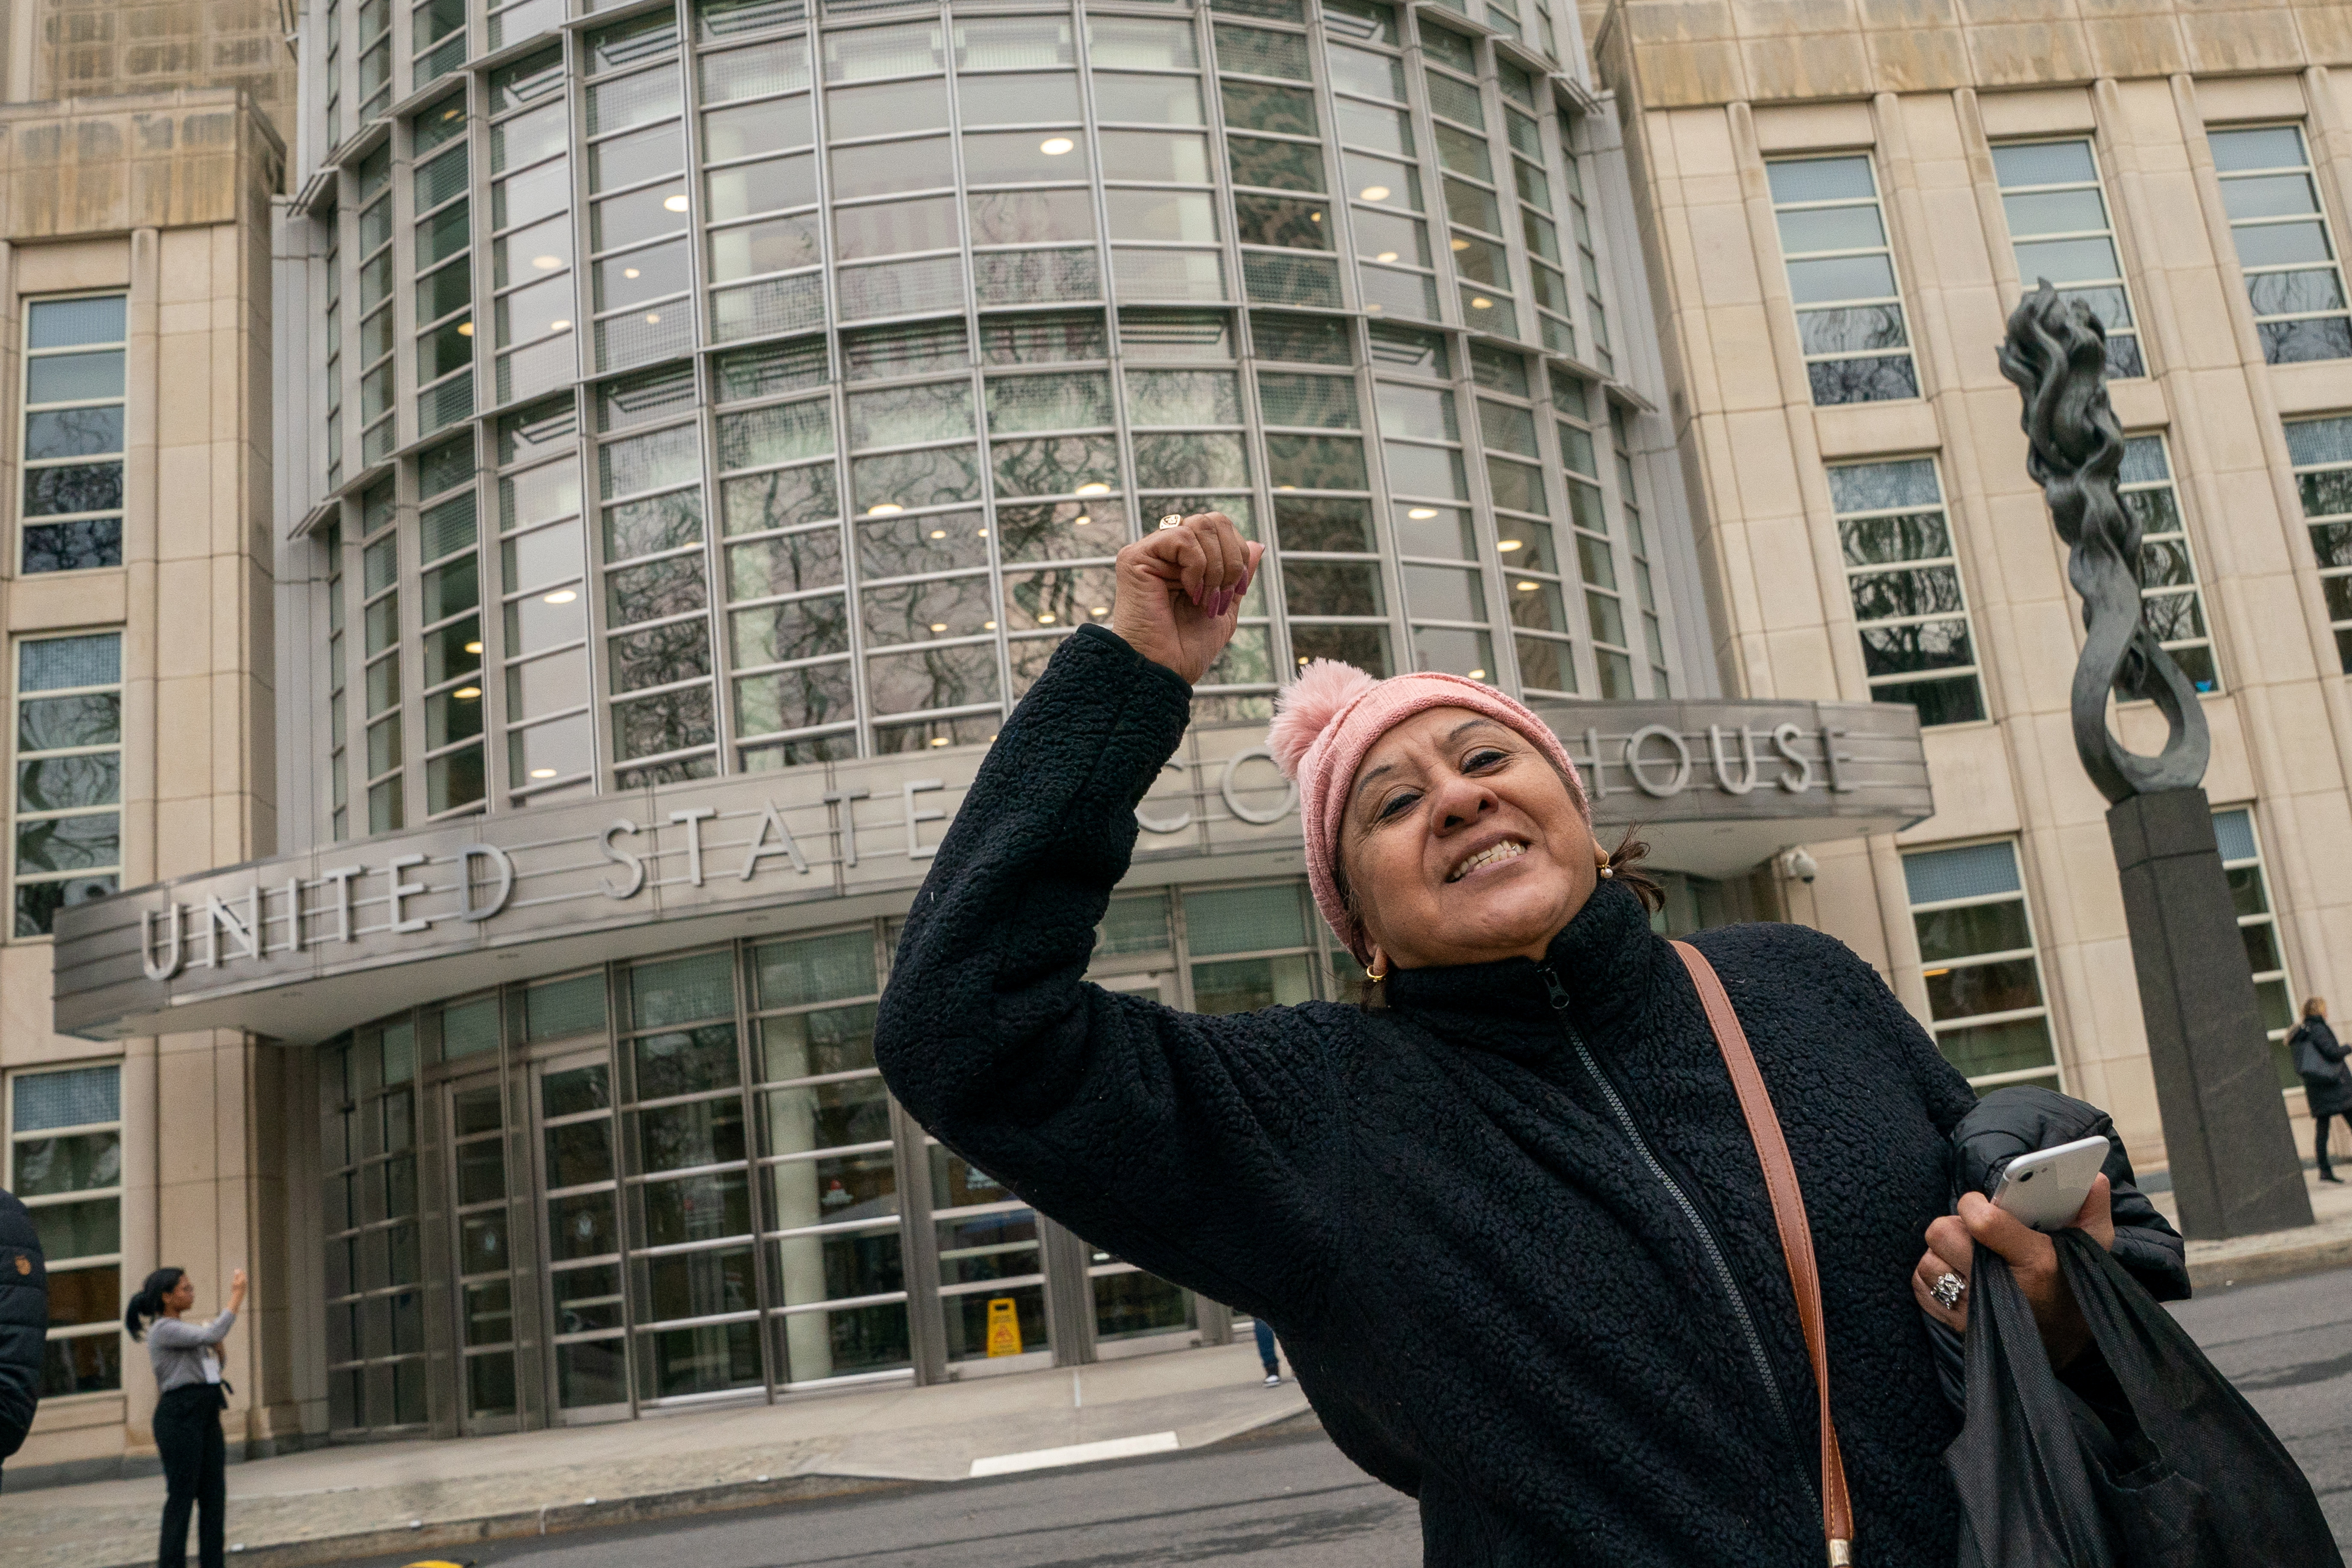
{"points": [[2153, 1461]]}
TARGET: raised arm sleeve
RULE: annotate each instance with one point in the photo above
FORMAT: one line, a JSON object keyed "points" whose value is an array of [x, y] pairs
{"points": [[1184, 1143], [173, 1333]]}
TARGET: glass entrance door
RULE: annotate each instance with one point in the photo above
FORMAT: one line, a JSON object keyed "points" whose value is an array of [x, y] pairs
{"points": [[478, 1146], [574, 1103]]}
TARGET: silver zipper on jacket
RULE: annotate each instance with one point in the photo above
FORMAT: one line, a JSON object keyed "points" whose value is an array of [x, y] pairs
{"points": [[1724, 1277]]}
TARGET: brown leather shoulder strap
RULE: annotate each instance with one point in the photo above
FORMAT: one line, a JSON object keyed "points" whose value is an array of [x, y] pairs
{"points": [[1796, 1231]]}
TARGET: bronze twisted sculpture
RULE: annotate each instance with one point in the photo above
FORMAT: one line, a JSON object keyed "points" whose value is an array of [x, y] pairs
{"points": [[2056, 354], [2234, 1164]]}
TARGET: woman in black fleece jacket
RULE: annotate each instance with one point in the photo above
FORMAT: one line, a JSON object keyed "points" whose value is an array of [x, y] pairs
{"points": [[1511, 1228]]}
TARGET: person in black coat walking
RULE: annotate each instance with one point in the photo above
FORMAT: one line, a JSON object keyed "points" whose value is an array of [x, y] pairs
{"points": [[24, 1322], [1510, 1227], [2319, 1060]]}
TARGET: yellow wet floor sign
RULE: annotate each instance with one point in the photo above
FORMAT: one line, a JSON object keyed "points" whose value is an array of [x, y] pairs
{"points": [[1003, 1328]]}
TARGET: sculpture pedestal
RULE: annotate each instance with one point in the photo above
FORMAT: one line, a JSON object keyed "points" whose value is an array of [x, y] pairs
{"points": [[2234, 1167]]}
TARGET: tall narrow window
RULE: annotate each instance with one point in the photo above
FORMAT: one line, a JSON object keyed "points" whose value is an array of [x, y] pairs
{"points": [[2170, 601], [339, 716], [828, 1173], [380, 617], [656, 591], [2061, 230], [2321, 451], [73, 434], [1842, 279], [2284, 248], [1629, 499], [445, 287], [65, 1161], [2250, 892], [374, 1260], [67, 843], [1587, 262], [378, 418], [449, 610], [1985, 1002], [1908, 604]]}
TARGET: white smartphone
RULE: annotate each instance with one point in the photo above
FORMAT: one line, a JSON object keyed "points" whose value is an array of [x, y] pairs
{"points": [[2045, 1188]]}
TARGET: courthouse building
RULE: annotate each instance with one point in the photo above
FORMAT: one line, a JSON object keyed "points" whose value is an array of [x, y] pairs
{"points": [[693, 424]]}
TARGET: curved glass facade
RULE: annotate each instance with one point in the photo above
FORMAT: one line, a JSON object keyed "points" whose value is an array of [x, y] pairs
{"points": [[728, 386]]}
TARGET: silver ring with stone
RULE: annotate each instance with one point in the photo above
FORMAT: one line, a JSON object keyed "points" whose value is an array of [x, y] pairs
{"points": [[1947, 1290]]}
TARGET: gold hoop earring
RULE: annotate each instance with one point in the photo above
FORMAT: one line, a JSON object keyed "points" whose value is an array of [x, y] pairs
{"points": [[1375, 975]]}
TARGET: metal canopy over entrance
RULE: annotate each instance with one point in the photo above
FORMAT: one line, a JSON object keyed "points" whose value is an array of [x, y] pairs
{"points": [[306, 946]]}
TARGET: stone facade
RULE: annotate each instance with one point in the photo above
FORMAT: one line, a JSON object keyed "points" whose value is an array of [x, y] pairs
{"points": [[138, 162], [1710, 94]]}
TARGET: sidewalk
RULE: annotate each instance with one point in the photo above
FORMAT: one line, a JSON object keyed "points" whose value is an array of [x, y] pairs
{"points": [[2249, 1260], [363, 1500]]}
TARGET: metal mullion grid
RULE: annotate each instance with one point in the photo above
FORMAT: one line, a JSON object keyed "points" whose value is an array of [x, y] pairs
{"points": [[2268, 916], [587, 149], [470, 264], [1422, 119], [694, 50], [420, 60], [952, 76], [2340, 623], [1634, 550], [509, 659], [1325, 142], [479, 675], [331, 542], [1942, 508], [59, 1200], [1430, 157], [2178, 533], [1346, 198], [632, 1183], [493, 235], [26, 408], [595, 503], [1500, 151], [1203, 79], [1885, 248], [502, 1208], [1565, 570], [2318, 214], [1938, 1028], [547, 1194], [724, 603], [2096, 184], [1605, 485], [364, 45], [1564, 173], [394, 713], [1221, 173], [1552, 149], [390, 306], [834, 337]]}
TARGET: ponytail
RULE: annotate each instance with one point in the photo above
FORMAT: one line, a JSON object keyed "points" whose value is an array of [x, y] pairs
{"points": [[148, 1304]]}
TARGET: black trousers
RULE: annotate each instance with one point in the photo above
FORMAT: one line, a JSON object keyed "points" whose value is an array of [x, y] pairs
{"points": [[188, 1434], [2319, 1135]]}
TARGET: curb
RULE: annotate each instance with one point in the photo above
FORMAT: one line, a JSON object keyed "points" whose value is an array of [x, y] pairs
{"points": [[556, 1519], [562, 1519], [2276, 1263]]}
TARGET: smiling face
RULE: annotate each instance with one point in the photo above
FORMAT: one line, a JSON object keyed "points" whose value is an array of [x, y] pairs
{"points": [[1460, 844]]}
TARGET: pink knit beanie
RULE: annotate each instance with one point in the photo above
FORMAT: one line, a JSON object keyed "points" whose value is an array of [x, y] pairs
{"points": [[1332, 714]]}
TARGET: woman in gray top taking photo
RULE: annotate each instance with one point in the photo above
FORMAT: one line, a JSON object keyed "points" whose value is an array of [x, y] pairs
{"points": [[188, 1361]]}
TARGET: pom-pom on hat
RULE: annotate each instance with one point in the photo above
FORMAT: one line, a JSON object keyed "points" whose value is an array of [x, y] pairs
{"points": [[1325, 721]]}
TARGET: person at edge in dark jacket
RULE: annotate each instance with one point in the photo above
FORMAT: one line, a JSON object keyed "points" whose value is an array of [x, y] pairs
{"points": [[1510, 1224], [2319, 1061], [24, 1322]]}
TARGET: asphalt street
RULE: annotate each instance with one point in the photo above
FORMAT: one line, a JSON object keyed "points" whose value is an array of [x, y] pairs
{"points": [[1294, 1502]]}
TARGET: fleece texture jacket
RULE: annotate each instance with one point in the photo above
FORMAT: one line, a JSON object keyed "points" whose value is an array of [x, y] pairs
{"points": [[1460, 1212]]}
